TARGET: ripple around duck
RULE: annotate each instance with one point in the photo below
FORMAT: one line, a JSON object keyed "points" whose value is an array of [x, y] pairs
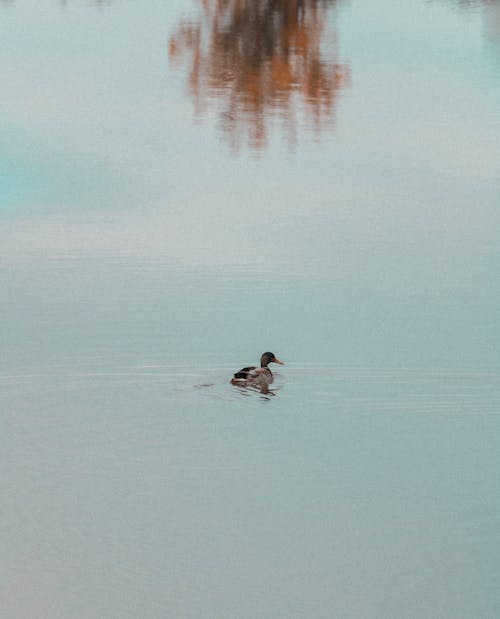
{"points": [[356, 389]]}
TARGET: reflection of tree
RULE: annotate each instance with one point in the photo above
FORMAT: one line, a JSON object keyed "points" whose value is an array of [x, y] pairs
{"points": [[261, 58], [490, 11], [491, 17]]}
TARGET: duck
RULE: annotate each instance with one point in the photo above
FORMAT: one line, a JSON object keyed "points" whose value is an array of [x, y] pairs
{"points": [[254, 376]]}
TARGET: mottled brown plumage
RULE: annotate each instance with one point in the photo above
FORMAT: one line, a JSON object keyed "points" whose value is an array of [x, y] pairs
{"points": [[253, 376]]}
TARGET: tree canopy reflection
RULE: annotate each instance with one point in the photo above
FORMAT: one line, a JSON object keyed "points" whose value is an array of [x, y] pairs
{"points": [[261, 60]]}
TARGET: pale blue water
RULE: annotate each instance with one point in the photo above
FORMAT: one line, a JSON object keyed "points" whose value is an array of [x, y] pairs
{"points": [[325, 187]]}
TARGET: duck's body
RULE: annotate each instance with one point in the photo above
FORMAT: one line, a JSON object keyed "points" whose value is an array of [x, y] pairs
{"points": [[253, 376]]}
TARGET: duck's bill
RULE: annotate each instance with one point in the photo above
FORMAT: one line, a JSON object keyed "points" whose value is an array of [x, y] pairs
{"points": [[276, 360]]}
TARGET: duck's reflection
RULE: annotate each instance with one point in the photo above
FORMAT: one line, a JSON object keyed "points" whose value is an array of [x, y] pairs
{"points": [[261, 61], [265, 392]]}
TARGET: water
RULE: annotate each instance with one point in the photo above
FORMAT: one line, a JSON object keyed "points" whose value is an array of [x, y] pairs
{"points": [[182, 189]]}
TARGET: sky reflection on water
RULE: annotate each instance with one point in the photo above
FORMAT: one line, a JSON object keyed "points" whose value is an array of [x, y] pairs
{"points": [[349, 220]]}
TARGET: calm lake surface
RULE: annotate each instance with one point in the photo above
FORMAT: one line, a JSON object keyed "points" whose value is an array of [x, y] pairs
{"points": [[185, 185]]}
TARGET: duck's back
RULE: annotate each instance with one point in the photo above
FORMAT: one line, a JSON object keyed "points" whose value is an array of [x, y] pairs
{"points": [[253, 375], [245, 372]]}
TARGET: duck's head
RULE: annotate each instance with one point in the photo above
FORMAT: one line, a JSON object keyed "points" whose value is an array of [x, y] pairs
{"points": [[269, 357]]}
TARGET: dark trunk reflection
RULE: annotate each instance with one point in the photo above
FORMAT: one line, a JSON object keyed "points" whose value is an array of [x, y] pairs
{"points": [[260, 61]]}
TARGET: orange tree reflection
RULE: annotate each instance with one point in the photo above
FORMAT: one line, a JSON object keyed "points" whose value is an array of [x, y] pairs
{"points": [[261, 60]]}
